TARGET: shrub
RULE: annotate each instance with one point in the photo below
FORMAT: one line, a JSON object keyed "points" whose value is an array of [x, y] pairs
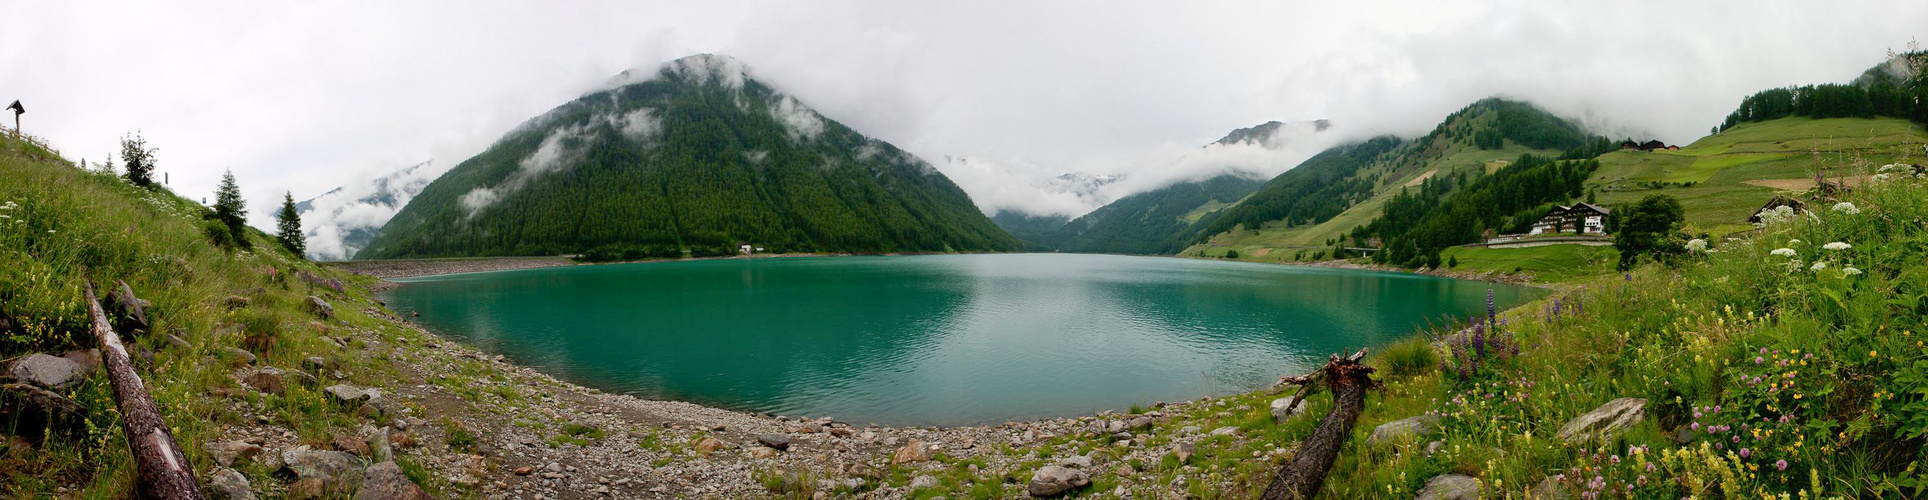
{"points": [[1410, 357]]}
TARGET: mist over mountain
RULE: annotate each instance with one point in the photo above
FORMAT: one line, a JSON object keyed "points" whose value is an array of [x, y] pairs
{"points": [[343, 220]]}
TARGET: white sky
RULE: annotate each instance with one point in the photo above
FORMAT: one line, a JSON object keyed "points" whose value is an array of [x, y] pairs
{"points": [[307, 96]]}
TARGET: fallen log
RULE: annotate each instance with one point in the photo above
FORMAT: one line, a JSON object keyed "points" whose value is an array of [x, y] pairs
{"points": [[164, 472], [1305, 474]]}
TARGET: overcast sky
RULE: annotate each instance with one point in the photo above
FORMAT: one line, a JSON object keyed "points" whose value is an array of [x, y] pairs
{"points": [[307, 96]]}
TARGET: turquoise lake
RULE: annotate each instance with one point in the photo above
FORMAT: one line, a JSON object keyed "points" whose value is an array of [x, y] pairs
{"points": [[934, 340]]}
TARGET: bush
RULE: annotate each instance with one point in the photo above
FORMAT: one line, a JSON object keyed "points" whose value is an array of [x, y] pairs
{"points": [[1231, 254], [1410, 357], [218, 233]]}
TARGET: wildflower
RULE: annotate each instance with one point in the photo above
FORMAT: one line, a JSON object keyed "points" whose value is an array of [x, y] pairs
{"points": [[1780, 464], [1850, 271], [1697, 245], [1759, 360], [1782, 252], [1874, 354], [1745, 452], [1795, 241], [1837, 246], [1818, 266], [1846, 208]]}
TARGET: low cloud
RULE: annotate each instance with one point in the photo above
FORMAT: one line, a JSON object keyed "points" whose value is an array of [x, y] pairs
{"points": [[365, 202]]}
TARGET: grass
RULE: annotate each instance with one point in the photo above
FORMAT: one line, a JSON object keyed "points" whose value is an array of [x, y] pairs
{"points": [[1550, 263]]}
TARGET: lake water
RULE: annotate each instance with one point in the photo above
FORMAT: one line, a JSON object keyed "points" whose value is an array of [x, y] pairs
{"points": [[934, 340]]}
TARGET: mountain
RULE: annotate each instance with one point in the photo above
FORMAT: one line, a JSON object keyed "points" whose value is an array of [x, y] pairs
{"points": [[1320, 202], [1267, 134], [693, 158], [1034, 230], [339, 223]]}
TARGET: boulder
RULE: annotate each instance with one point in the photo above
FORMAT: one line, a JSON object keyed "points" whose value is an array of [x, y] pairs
{"points": [[348, 394], [1078, 461], [1607, 420], [35, 408], [762, 452], [385, 481], [708, 445], [1410, 428], [1279, 413], [177, 342], [320, 308], [1225, 431], [231, 452], [1054, 481], [227, 484], [328, 471], [270, 380], [777, 442], [49, 372], [243, 357], [351, 445], [915, 451], [1141, 423], [922, 482], [1451, 487]]}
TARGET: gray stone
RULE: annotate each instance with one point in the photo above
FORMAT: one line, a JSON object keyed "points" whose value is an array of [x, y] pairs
{"points": [[1141, 423], [1435, 447], [1053, 481], [1078, 461], [1279, 413], [1550, 489], [915, 451], [778, 442], [1410, 428], [316, 363], [1451, 487], [1225, 431], [334, 471], [1607, 420], [320, 308], [922, 482], [49, 372], [266, 379], [381, 445], [349, 394], [1183, 452], [385, 481], [231, 452], [245, 357], [227, 484]]}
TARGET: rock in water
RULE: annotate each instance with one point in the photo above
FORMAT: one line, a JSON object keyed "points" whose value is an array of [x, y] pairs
{"points": [[385, 481], [1414, 427], [1451, 487], [1053, 481], [915, 451], [320, 308], [776, 441], [1607, 420], [226, 484], [50, 372]]}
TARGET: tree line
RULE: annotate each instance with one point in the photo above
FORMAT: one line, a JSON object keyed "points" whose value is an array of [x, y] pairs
{"points": [[1459, 208]]}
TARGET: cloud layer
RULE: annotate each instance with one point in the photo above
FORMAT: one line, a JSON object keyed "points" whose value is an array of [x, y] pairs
{"points": [[292, 96]]}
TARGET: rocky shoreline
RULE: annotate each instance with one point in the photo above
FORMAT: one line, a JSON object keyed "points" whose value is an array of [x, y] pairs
{"points": [[409, 268]]}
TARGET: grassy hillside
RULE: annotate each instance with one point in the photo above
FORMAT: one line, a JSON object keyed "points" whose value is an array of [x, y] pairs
{"points": [[1551, 264], [62, 227], [1160, 221], [1723, 179], [694, 159]]}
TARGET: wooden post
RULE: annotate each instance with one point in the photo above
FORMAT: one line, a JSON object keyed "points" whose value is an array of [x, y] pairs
{"points": [[1305, 474], [164, 472]]}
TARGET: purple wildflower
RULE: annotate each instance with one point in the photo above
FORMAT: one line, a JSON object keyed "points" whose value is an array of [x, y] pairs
{"points": [[1745, 452], [1492, 313], [1780, 464]]}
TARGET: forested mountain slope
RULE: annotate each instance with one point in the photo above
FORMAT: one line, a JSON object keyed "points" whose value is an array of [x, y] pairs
{"points": [[692, 160]]}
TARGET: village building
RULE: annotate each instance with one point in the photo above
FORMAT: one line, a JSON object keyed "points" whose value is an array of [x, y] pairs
{"points": [[1584, 218]]}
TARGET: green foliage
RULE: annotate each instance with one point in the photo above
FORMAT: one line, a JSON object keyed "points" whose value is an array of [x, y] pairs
{"points": [[231, 210], [1647, 228], [1152, 222], [1406, 358], [140, 159], [1416, 226], [1231, 254], [1875, 94], [288, 227], [1316, 190], [689, 162]]}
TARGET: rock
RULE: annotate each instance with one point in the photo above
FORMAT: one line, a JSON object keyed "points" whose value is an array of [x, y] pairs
{"points": [[352, 445], [809, 428], [244, 357], [382, 447], [763, 452], [1125, 469], [1183, 451], [266, 379], [235, 302], [1451, 487], [1225, 431], [1052, 481], [1141, 423], [922, 482], [840, 432], [1607, 420], [1435, 447], [329, 471], [1117, 426], [320, 308], [352, 395], [229, 453], [50, 372], [1683, 435], [35, 408], [776, 441], [1078, 461], [524, 471], [1279, 413], [915, 451], [88, 359], [302, 378], [177, 342], [316, 363], [708, 445], [1409, 428], [1550, 489], [385, 481], [227, 484]]}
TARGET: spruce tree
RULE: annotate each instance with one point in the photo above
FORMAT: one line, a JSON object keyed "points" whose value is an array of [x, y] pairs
{"points": [[140, 159], [288, 224], [230, 209]]}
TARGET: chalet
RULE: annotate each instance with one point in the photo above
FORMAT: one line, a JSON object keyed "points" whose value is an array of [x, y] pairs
{"points": [[745, 249], [1584, 218]]}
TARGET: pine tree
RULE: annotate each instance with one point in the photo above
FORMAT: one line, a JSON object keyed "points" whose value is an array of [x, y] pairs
{"points": [[140, 159], [288, 223], [230, 209]]}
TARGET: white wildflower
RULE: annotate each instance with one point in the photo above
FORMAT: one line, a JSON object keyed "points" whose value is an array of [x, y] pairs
{"points": [[1818, 266], [1849, 271], [1880, 177], [1846, 208], [1697, 245], [1837, 246], [1795, 241], [1794, 265], [1783, 252], [1775, 215]]}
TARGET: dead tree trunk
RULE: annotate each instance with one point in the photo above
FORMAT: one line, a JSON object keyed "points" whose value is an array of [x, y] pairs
{"points": [[164, 470], [1306, 473]]}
